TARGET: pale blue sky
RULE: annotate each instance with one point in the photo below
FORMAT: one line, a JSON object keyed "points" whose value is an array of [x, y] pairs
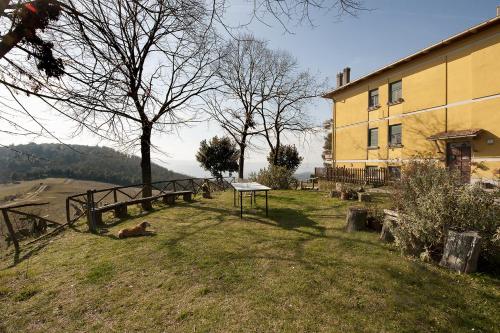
{"points": [[391, 30]]}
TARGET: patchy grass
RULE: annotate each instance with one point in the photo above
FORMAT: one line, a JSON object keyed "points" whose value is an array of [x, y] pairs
{"points": [[26, 293], [205, 269], [101, 273]]}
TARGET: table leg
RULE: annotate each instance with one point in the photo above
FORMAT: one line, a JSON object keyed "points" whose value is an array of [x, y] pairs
{"points": [[255, 198], [234, 198], [241, 205], [266, 205]]}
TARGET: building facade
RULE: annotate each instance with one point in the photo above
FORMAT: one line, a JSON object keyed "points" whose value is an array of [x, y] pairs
{"points": [[442, 102]]}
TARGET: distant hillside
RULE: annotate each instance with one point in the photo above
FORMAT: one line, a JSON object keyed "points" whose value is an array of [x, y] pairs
{"points": [[89, 163], [303, 175]]}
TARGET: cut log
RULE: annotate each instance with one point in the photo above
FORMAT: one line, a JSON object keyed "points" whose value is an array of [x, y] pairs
{"points": [[364, 197], [461, 251], [391, 218], [386, 233], [121, 211], [334, 194], [356, 219], [187, 197], [344, 195], [169, 199]]}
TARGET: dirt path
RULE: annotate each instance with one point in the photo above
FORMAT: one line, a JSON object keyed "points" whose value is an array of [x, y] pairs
{"points": [[31, 196]]}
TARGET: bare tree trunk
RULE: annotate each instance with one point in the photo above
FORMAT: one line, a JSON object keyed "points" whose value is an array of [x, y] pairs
{"points": [[276, 150], [10, 40], [146, 165], [3, 5], [241, 161]]}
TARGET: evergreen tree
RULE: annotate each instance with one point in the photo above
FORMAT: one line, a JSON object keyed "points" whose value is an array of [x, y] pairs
{"points": [[219, 155]]}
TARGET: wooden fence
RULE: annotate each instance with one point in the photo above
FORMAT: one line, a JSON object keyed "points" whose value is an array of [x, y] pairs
{"points": [[80, 205], [377, 177], [23, 226]]}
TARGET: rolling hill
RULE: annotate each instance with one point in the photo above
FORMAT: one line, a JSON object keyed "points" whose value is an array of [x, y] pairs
{"points": [[102, 164]]}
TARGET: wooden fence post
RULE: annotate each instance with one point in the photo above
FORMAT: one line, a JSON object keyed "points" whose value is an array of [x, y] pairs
{"points": [[68, 217], [115, 196], [11, 229], [90, 211]]}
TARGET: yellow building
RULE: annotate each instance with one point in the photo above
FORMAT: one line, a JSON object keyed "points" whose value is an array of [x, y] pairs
{"points": [[443, 101]]}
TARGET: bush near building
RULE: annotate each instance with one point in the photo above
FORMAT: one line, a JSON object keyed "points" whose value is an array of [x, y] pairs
{"points": [[432, 200], [275, 177]]}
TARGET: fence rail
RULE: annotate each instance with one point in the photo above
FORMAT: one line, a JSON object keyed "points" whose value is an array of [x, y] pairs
{"points": [[25, 226], [79, 205], [377, 177]]}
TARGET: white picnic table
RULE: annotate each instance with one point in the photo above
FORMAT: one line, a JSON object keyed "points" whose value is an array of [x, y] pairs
{"points": [[248, 187]]}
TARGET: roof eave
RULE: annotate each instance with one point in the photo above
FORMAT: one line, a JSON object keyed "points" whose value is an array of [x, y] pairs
{"points": [[426, 50]]}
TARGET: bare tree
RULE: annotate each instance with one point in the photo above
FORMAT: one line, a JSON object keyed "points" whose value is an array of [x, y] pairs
{"points": [[21, 25], [133, 67], [291, 12], [290, 91], [244, 73]]}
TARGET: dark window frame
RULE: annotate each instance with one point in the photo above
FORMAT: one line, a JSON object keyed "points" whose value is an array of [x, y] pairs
{"points": [[370, 143], [391, 134], [392, 98], [370, 104]]}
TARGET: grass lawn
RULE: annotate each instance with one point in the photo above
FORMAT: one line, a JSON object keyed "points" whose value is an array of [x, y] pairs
{"points": [[207, 270]]}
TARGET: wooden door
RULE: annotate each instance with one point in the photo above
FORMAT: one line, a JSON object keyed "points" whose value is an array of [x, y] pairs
{"points": [[458, 157]]}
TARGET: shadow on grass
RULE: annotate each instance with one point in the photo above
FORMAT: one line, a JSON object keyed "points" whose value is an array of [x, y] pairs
{"points": [[31, 250], [428, 287], [103, 232], [283, 218], [291, 219], [103, 229]]}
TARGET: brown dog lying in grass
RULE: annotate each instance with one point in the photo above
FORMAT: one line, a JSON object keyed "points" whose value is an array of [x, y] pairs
{"points": [[138, 230]]}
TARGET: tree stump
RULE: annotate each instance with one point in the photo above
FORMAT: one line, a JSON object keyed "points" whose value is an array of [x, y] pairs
{"points": [[121, 211], [461, 251], [169, 199], [386, 233], [356, 219], [187, 197], [205, 189], [364, 197], [334, 194], [391, 218]]}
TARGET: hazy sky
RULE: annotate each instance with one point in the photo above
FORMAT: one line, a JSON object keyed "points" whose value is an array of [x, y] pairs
{"points": [[391, 30]]}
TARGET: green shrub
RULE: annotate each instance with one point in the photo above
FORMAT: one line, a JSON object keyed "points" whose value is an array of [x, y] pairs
{"points": [[275, 177], [432, 200]]}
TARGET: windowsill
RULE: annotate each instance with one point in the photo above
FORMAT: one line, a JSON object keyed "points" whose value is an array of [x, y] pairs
{"points": [[399, 101], [373, 108], [396, 146], [372, 148]]}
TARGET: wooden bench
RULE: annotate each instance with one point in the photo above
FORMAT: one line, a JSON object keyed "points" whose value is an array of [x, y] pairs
{"points": [[120, 208]]}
